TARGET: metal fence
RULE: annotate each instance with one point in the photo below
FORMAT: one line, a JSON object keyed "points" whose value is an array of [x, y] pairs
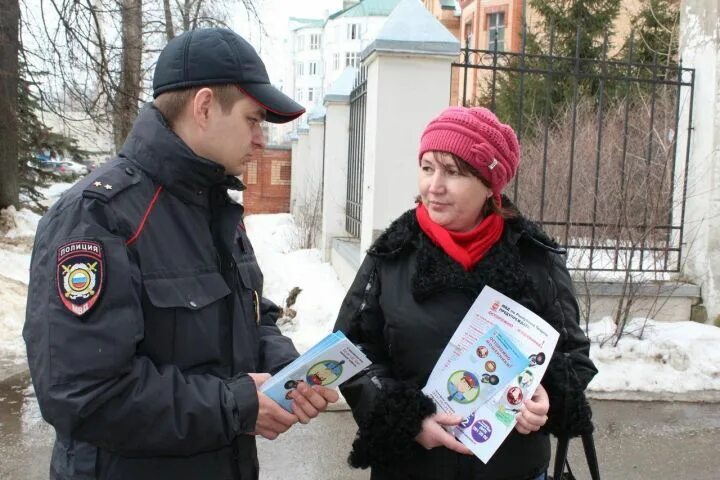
{"points": [[356, 154], [603, 160]]}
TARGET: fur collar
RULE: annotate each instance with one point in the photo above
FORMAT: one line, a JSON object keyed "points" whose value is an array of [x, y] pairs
{"points": [[501, 268]]}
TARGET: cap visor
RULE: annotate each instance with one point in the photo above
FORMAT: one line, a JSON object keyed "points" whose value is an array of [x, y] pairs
{"points": [[280, 108]]}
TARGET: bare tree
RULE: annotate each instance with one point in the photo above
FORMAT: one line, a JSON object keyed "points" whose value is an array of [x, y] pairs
{"points": [[99, 53], [9, 46], [128, 95]]}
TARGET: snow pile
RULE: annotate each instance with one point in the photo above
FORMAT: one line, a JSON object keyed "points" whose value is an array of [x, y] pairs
{"points": [[670, 357], [17, 229], [17, 232], [18, 224], [283, 268]]}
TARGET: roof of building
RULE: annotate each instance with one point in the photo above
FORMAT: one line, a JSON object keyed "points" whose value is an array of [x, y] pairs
{"points": [[367, 8], [412, 28], [306, 23]]}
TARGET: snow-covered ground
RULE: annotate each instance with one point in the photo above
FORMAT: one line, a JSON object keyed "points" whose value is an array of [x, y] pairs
{"points": [[284, 268], [679, 357]]}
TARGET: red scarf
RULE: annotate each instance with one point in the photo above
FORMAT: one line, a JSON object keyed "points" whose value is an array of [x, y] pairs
{"points": [[467, 248]]}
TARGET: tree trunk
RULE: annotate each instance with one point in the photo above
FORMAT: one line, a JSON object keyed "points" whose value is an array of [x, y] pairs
{"points": [[128, 95], [186, 15], [169, 28], [9, 46]]}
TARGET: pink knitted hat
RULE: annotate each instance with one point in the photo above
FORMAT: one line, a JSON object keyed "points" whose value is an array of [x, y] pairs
{"points": [[476, 136]]}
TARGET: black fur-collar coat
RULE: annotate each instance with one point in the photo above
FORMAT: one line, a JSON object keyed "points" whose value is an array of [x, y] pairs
{"points": [[406, 301]]}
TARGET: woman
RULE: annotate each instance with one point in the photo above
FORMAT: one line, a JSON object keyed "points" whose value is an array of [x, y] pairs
{"points": [[415, 286]]}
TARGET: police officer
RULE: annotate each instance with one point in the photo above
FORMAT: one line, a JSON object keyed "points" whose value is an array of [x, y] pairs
{"points": [[147, 333]]}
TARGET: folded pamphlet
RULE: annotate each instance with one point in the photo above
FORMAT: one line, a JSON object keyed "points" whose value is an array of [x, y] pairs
{"points": [[518, 343], [329, 363]]}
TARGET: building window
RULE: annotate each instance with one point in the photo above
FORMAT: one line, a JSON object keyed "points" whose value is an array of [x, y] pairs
{"points": [[315, 41], [251, 174], [311, 94], [312, 68], [351, 59], [280, 172], [496, 31], [336, 61], [300, 69], [300, 43], [353, 31], [299, 95], [469, 33]]}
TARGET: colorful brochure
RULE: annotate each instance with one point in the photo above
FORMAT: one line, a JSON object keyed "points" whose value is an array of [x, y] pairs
{"points": [[330, 362], [486, 427], [475, 375]]}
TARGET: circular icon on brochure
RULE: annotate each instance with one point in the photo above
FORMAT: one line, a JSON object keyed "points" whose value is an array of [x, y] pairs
{"points": [[325, 372], [482, 351], [467, 421], [514, 395], [491, 379], [463, 387], [537, 359], [495, 305], [490, 366], [525, 379], [481, 431]]}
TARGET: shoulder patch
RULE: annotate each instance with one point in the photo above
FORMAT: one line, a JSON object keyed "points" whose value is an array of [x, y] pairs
{"points": [[80, 275], [108, 184]]}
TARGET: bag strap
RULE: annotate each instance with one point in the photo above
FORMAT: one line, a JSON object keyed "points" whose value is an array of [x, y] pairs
{"points": [[560, 457], [590, 456]]}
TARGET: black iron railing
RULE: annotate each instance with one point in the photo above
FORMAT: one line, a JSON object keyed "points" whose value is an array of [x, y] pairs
{"points": [[356, 154], [604, 160]]}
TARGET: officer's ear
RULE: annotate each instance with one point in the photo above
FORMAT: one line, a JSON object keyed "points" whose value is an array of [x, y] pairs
{"points": [[201, 106]]}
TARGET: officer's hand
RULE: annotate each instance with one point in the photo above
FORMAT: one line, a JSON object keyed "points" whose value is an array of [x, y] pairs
{"points": [[308, 401], [272, 419], [259, 378], [534, 412]]}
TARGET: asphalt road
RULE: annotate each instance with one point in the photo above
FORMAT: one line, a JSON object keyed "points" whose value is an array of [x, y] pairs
{"points": [[635, 440]]}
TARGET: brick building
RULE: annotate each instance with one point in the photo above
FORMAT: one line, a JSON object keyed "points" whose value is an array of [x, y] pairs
{"points": [[268, 181]]}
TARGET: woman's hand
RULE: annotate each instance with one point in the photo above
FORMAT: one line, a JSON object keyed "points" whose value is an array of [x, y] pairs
{"points": [[433, 433], [534, 412]]}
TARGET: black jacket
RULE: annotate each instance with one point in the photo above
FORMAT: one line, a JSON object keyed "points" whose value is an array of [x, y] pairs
{"points": [[404, 305], [151, 382]]}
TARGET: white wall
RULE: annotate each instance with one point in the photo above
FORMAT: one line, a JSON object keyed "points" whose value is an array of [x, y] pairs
{"points": [[337, 42], [404, 93], [92, 137], [302, 54], [700, 49], [335, 175], [301, 168]]}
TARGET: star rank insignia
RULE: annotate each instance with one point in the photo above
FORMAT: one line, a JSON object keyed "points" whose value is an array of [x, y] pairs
{"points": [[80, 275], [108, 186], [98, 184]]}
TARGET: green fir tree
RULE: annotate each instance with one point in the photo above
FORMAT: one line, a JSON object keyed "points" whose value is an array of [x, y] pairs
{"points": [[33, 137]]}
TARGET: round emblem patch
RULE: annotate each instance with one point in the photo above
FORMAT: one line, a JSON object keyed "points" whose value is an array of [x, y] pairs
{"points": [[80, 275]]}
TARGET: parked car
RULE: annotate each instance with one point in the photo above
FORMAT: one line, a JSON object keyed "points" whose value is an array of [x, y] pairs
{"points": [[68, 168]]}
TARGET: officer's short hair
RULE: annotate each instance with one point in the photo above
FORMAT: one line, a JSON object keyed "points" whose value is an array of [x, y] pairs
{"points": [[171, 104]]}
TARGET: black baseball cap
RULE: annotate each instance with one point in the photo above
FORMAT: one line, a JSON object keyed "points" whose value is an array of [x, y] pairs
{"points": [[216, 56]]}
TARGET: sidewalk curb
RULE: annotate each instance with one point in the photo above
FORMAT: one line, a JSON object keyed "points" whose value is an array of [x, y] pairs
{"points": [[700, 396]]}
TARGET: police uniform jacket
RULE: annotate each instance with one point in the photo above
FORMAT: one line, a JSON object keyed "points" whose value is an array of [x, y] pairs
{"points": [[145, 314], [406, 302]]}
